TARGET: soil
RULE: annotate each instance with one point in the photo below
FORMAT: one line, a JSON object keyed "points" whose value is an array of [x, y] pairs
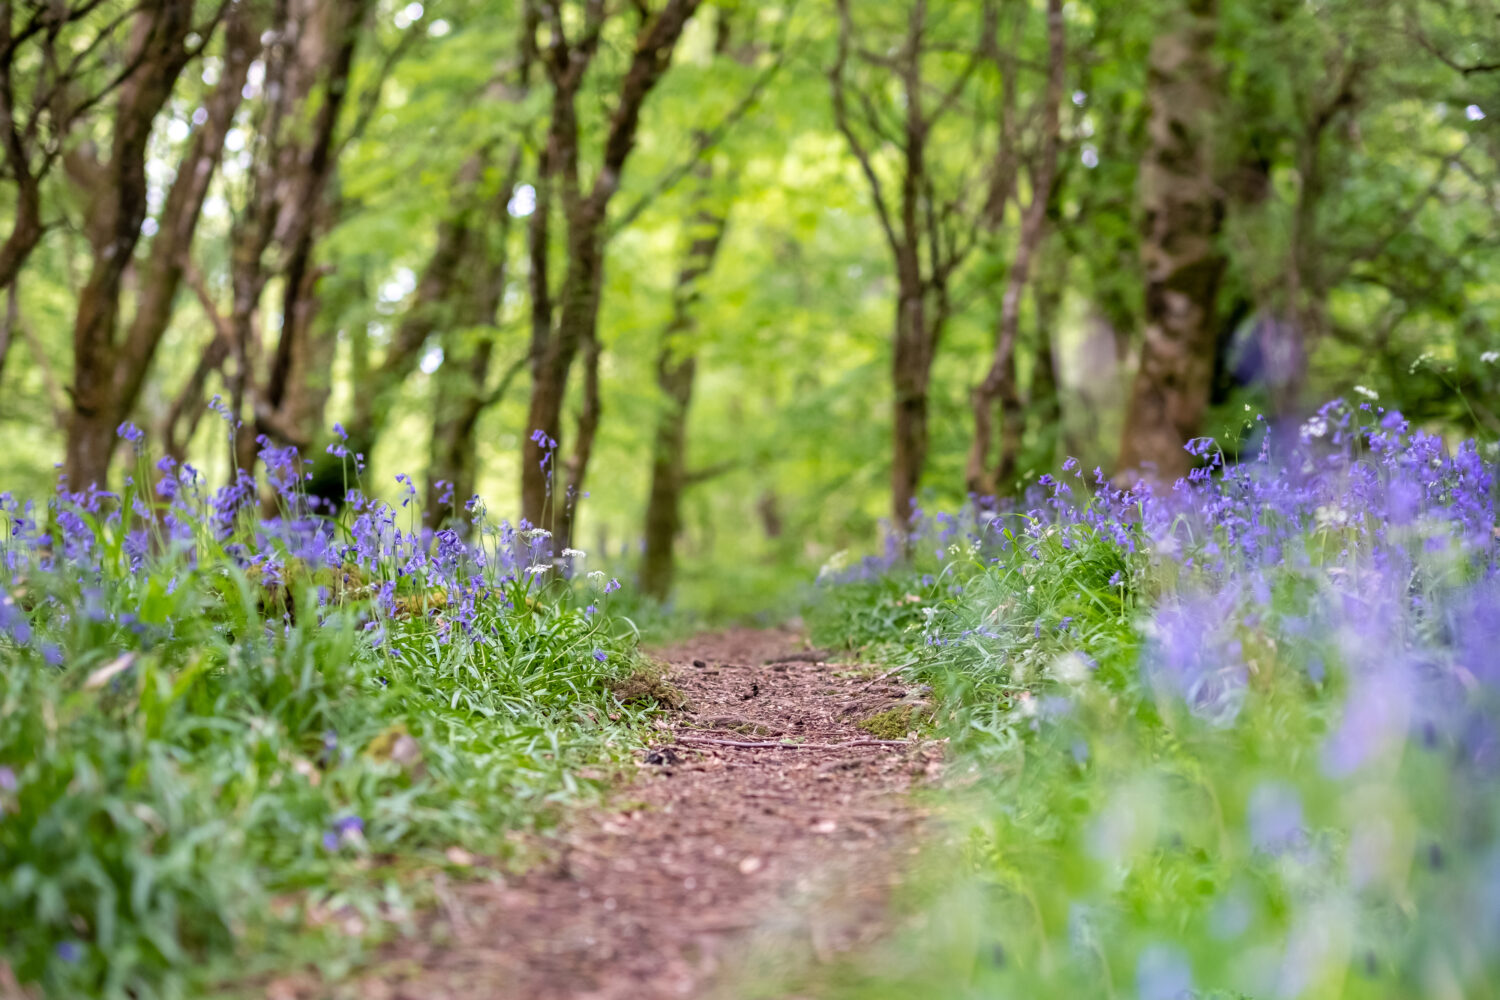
{"points": [[714, 856]]}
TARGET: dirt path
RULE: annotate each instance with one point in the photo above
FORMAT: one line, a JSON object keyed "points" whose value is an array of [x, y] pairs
{"points": [[659, 893]]}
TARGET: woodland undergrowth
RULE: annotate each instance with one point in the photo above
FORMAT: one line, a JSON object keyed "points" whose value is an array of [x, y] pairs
{"points": [[1232, 738], [237, 733]]}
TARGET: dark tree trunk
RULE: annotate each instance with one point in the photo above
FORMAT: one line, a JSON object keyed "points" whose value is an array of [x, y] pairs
{"points": [[1180, 248], [160, 274], [290, 407], [676, 364], [288, 207], [433, 309], [911, 371], [1045, 403], [25, 230], [462, 390], [568, 324], [117, 192], [674, 380], [1000, 386]]}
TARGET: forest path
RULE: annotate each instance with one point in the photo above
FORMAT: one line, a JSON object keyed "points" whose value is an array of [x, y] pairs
{"points": [[713, 853]]}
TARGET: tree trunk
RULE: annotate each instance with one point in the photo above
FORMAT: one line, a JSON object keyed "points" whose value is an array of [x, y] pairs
{"points": [[117, 207], [1044, 401], [25, 231], [458, 401], [8, 323], [674, 379], [1000, 385], [15, 155], [160, 274], [462, 393], [1180, 248], [541, 487], [557, 341], [296, 387], [432, 310], [676, 364], [911, 370], [288, 206]]}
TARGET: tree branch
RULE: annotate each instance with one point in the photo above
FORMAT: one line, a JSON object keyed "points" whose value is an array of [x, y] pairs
{"points": [[841, 120], [704, 140]]}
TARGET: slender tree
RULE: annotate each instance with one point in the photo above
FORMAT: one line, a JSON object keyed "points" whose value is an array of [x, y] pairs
{"points": [[58, 63], [284, 209], [462, 390], [929, 235], [676, 364], [107, 371], [564, 317], [1000, 383]]}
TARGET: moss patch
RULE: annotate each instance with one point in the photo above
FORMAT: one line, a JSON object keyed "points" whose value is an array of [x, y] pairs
{"points": [[894, 723], [647, 684]]}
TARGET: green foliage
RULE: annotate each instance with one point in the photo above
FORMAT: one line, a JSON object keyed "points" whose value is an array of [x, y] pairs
{"points": [[197, 766], [1170, 770]]}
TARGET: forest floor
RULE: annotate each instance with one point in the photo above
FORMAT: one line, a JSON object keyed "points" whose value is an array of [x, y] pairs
{"points": [[719, 869]]}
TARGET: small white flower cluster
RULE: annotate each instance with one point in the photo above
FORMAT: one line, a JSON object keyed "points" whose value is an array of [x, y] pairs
{"points": [[836, 563], [1070, 668], [1367, 392], [1331, 516], [1490, 357], [1314, 428]]}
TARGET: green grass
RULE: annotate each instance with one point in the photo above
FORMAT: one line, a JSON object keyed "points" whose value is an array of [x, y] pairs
{"points": [[197, 767], [1104, 833]]}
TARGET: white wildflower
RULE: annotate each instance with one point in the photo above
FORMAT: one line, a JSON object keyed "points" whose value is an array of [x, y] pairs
{"points": [[836, 564], [1490, 357], [573, 553], [537, 568], [1331, 516], [1314, 428], [1070, 668], [1367, 392]]}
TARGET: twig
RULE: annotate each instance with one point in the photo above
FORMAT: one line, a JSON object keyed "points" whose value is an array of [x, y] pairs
{"points": [[806, 656], [692, 740], [885, 676]]}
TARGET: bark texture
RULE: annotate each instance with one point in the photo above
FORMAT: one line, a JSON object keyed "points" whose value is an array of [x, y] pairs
{"points": [[928, 240], [676, 364], [116, 191], [53, 72], [1181, 253], [462, 386], [565, 318], [1000, 384]]}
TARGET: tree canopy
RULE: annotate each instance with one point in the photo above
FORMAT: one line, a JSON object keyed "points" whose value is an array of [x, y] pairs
{"points": [[726, 279]]}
